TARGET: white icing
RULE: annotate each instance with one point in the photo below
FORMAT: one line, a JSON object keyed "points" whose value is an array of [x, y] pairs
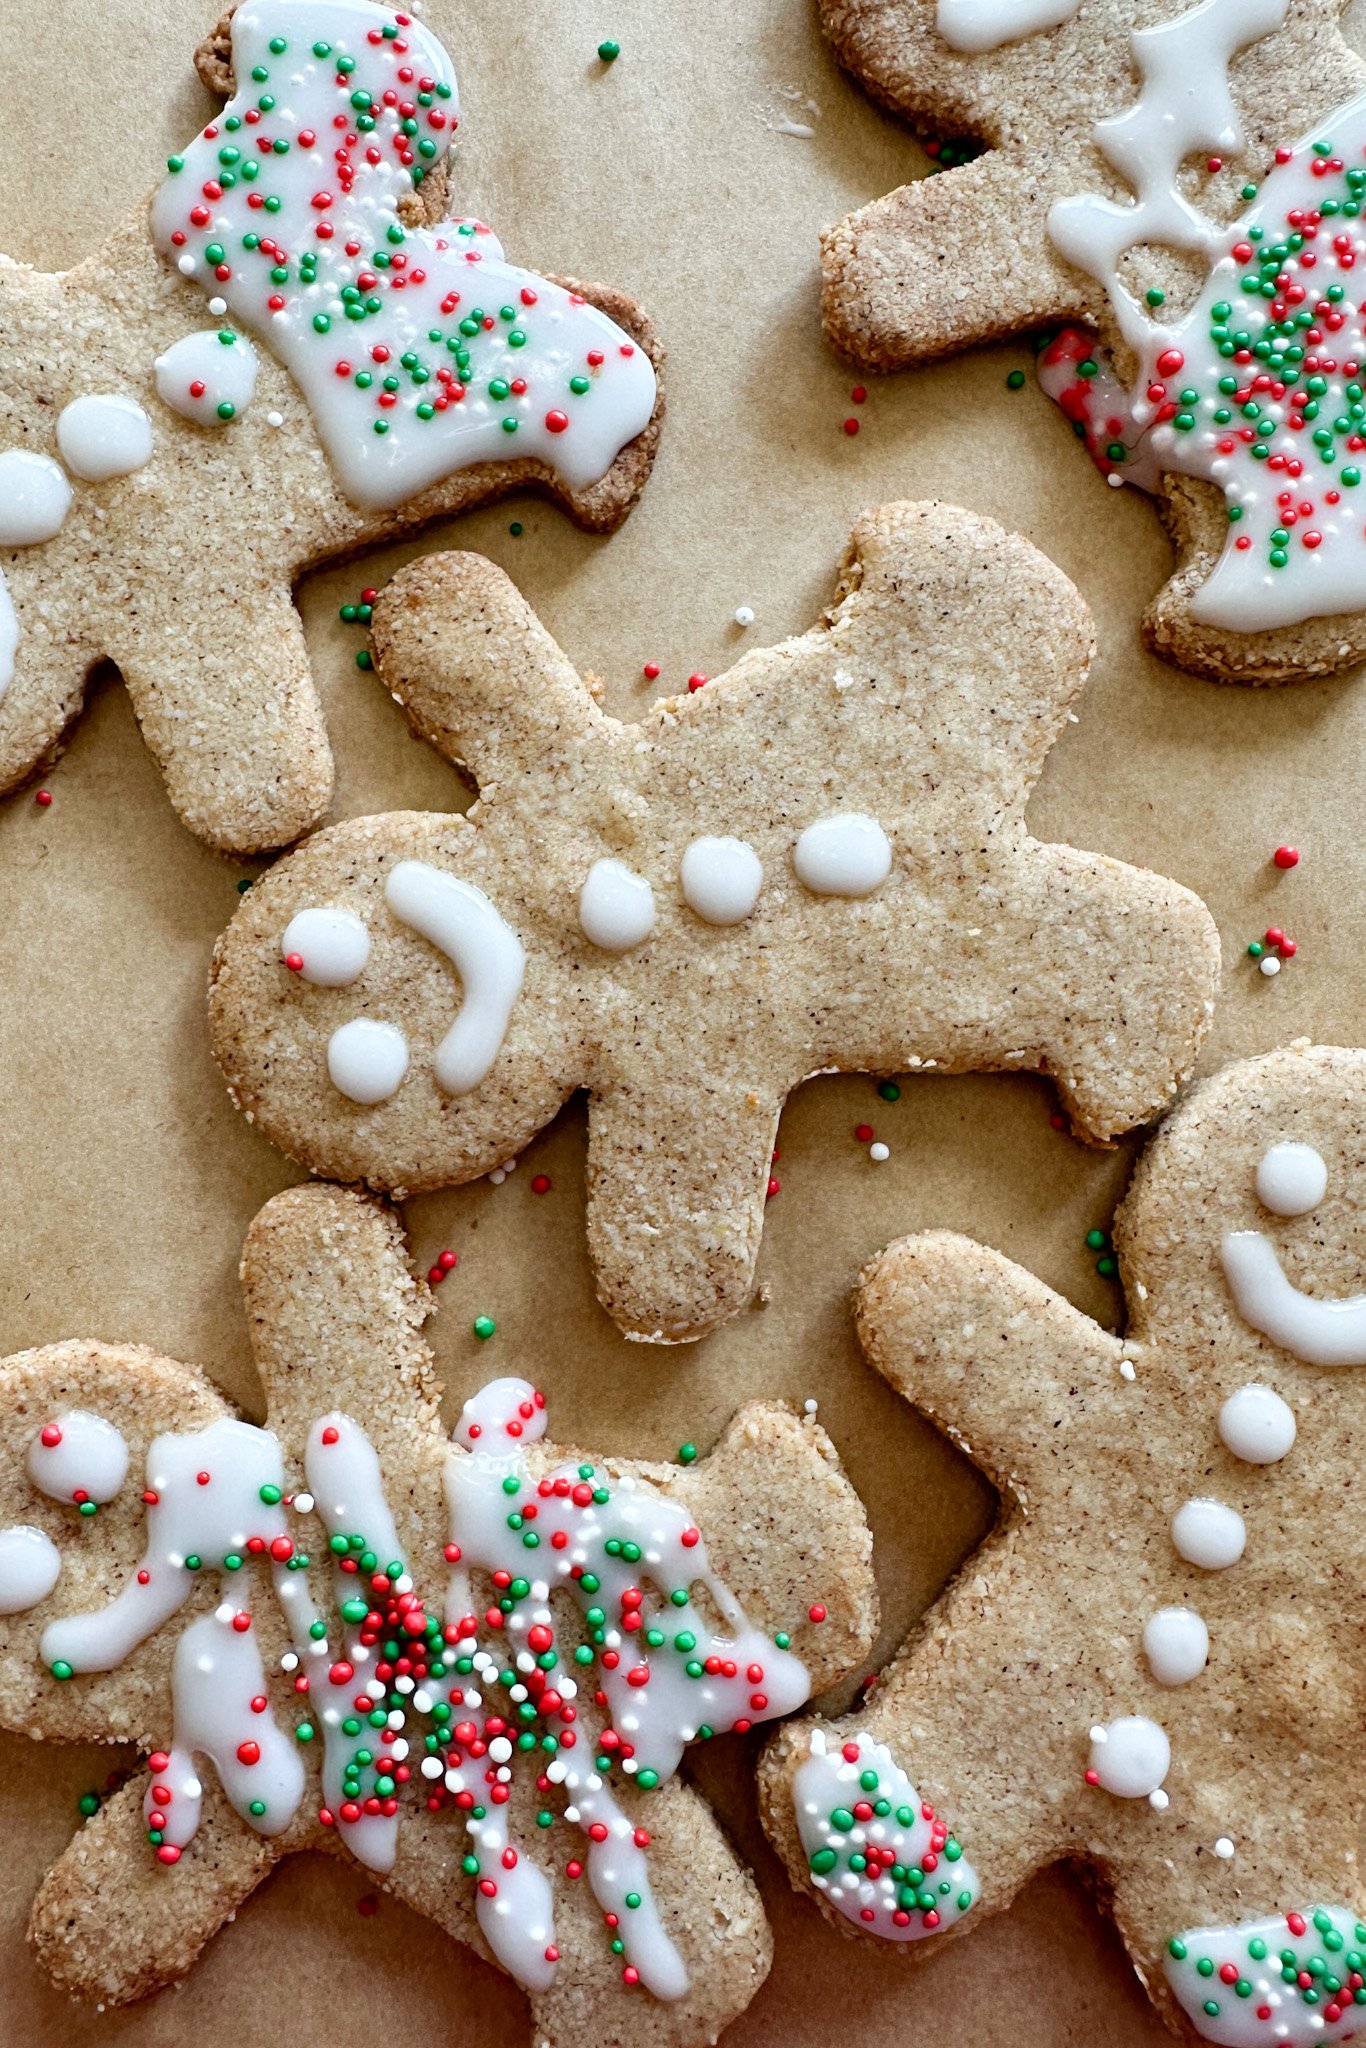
{"points": [[103, 435], [35, 498], [9, 635], [975, 26], [216, 1498], [1099, 406], [1319, 1332], [1185, 104], [1291, 1179], [616, 907], [1257, 1425], [1209, 1534], [333, 945], [86, 1460], [1259, 1954], [367, 1059], [216, 1674], [338, 193], [1176, 1645], [1130, 1756], [845, 854], [890, 1828], [30, 1566], [209, 377], [721, 879], [485, 952]]}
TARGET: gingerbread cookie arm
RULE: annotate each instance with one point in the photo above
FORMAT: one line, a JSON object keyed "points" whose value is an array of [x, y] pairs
{"points": [[233, 720], [1089, 920], [109, 1922], [476, 671], [986, 1350], [904, 277], [787, 1533], [331, 1299], [695, 1152]]}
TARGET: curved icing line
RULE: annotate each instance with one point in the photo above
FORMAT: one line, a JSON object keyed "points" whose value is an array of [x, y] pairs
{"points": [[1319, 1332], [486, 953]]}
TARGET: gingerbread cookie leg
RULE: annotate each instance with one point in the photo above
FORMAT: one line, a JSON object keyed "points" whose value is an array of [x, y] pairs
{"points": [[233, 720], [108, 1922], [945, 263]]}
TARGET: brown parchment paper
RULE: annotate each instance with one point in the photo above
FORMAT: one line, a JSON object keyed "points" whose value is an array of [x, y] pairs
{"points": [[126, 1179]]}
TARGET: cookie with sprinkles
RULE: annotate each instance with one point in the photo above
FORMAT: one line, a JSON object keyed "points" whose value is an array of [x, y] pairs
{"points": [[817, 861], [292, 351], [471, 1663], [1179, 188], [1153, 1667]]}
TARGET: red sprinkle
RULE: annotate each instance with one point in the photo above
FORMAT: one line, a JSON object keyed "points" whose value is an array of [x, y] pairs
{"points": [[1286, 856], [851, 425]]}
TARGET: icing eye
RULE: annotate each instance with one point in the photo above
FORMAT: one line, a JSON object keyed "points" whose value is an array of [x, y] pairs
{"points": [[330, 946], [1291, 1180]]}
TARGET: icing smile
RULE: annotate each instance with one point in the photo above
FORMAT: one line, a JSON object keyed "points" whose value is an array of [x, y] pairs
{"points": [[1319, 1332]]}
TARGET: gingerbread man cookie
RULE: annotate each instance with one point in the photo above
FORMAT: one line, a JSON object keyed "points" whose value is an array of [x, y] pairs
{"points": [[1155, 1665], [817, 862], [341, 1631], [290, 354], [1122, 187]]}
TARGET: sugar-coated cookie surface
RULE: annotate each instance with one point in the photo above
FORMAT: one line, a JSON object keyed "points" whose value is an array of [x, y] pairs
{"points": [[1186, 180], [1155, 1665], [818, 861], [343, 1630], [290, 353]]}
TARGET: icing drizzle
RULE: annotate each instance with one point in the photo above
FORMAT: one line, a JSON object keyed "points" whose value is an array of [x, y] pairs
{"points": [[419, 351], [678, 1659]]}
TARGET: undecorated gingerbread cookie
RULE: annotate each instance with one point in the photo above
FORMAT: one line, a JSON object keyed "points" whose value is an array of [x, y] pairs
{"points": [[1122, 187], [1155, 1666], [290, 353], [817, 862], [344, 1631]]}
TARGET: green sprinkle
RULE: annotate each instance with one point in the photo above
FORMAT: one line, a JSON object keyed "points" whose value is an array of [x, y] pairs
{"points": [[609, 52], [61, 1669], [1015, 380], [484, 1327], [88, 1803], [889, 1091], [687, 1454]]}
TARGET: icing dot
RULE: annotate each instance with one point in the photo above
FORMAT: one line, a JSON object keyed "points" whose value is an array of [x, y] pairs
{"points": [[1257, 1425], [1176, 1645], [1291, 1180], [209, 377], [1209, 1534], [30, 1565], [843, 855], [721, 879], [35, 498], [103, 435], [333, 946], [78, 1453], [616, 907], [367, 1059], [1130, 1757]]}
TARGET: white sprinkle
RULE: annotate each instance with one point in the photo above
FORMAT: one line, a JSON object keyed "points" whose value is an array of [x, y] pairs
{"points": [[290, 1661], [1115, 480], [218, 307], [1159, 1801], [500, 1749], [809, 1407], [1126, 1369], [303, 1503], [1270, 963], [186, 266], [879, 1152], [1224, 1847], [744, 615], [275, 419], [432, 1767], [1099, 1733]]}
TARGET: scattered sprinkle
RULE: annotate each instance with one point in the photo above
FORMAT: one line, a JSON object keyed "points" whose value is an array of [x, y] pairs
{"points": [[1286, 856], [483, 1327], [43, 798], [744, 615], [609, 52], [1015, 380], [851, 425]]}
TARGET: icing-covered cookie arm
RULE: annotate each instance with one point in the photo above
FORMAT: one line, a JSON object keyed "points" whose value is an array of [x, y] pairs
{"points": [[694, 1151], [110, 1922], [331, 1300], [232, 718], [477, 673], [788, 1534], [1119, 1014], [1003, 1364], [905, 277]]}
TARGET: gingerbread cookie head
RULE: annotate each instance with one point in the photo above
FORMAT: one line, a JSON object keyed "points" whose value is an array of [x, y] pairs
{"points": [[1122, 187], [1158, 1653], [817, 861], [290, 354], [471, 1663]]}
